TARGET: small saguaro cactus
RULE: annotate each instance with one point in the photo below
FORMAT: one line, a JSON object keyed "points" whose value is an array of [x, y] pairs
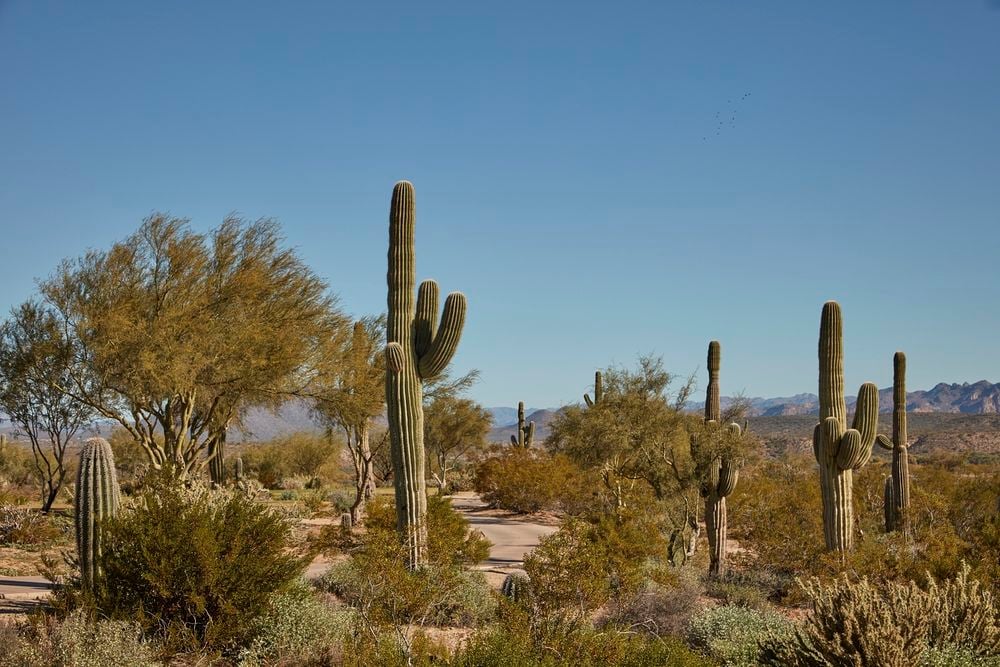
{"points": [[897, 485], [840, 450], [97, 499], [239, 468], [723, 473], [525, 432], [217, 464], [418, 348], [516, 586], [598, 390]]}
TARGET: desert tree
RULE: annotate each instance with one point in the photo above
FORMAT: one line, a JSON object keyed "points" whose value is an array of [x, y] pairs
{"points": [[454, 427], [36, 358], [351, 396], [637, 436], [177, 331]]}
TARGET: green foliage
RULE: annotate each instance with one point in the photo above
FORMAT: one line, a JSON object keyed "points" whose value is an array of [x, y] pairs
{"points": [[454, 429], [387, 593], [297, 628], [307, 457], [529, 480], [890, 624], [584, 565], [17, 466], [516, 641], [194, 564], [23, 526], [733, 635], [76, 641]]}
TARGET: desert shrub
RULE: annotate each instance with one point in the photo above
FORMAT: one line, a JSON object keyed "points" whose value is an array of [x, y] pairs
{"points": [[297, 628], [733, 635], [517, 641], [736, 594], [77, 641], [956, 656], [17, 465], [530, 480], [586, 564], [340, 500], [195, 564], [24, 526], [890, 624], [663, 605], [376, 581]]}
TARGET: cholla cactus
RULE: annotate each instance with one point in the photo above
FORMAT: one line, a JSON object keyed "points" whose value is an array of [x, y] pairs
{"points": [[897, 485], [516, 586], [840, 450], [525, 433], [418, 349], [97, 499], [598, 390]]}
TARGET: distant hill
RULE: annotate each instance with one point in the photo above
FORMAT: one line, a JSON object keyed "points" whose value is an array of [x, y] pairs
{"points": [[501, 432], [977, 398]]}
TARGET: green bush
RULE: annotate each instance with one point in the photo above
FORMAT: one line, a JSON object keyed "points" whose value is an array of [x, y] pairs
{"points": [[23, 526], [297, 628], [733, 635], [531, 480], [956, 656], [194, 564], [517, 641], [77, 641], [377, 580]]}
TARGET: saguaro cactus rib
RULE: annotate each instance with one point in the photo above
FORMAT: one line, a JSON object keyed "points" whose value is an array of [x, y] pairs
{"points": [[839, 450], [418, 348], [97, 499], [897, 485]]}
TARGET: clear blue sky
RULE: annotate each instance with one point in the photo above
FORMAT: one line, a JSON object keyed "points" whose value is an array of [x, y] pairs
{"points": [[572, 174]]}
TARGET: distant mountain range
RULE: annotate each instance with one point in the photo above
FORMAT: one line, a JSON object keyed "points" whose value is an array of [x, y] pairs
{"points": [[977, 398]]}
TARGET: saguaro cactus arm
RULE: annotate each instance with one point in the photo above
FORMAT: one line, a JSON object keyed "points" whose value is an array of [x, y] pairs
{"points": [[598, 390]]}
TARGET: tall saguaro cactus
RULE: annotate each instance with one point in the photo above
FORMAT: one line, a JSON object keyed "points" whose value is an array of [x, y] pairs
{"points": [[723, 473], [840, 450], [97, 499], [598, 390], [525, 433], [418, 349], [897, 485]]}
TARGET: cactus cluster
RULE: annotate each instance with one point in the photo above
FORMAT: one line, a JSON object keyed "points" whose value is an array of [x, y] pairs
{"points": [[97, 499], [525, 432], [598, 390], [897, 485], [724, 472], [840, 450], [418, 349]]}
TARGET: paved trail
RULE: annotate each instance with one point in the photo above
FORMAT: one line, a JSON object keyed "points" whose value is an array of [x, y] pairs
{"points": [[19, 594], [512, 535]]}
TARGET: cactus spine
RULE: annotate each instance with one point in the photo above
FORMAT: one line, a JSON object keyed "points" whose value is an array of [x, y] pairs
{"points": [[97, 499], [897, 486], [516, 586], [598, 390], [525, 433], [840, 450], [418, 348], [723, 473]]}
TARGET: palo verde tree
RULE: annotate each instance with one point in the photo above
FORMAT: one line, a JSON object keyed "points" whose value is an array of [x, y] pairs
{"points": [[453, 428], [635, 434], [176, 331], [351, 396], [36, 358]]}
